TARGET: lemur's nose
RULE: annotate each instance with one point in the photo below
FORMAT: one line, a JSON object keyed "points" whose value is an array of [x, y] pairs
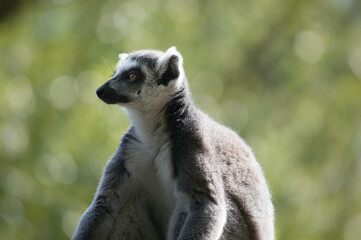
{"points": [[100, 91]]}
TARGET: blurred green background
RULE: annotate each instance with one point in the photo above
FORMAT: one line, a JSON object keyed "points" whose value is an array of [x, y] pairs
{"points": [[286, 75]]}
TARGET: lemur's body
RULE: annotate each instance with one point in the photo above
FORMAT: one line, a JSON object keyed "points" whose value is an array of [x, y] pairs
{"points": [[177, 174]]}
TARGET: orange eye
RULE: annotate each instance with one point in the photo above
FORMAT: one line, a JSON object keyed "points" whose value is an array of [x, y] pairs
{"points": [[132, 77]]}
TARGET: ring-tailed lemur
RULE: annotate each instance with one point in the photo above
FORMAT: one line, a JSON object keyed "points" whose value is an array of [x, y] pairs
{"points": [[177, 174]]}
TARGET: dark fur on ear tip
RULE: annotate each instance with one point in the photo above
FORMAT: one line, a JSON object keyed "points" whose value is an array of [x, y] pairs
{"points": [[171, 72]]}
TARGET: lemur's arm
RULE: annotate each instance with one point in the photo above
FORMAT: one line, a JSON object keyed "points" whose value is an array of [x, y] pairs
{"points": [[97, 221], [205, 221], [207, 212]]}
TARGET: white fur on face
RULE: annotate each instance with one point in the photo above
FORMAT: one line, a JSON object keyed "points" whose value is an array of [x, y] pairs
{"points": [[125, 64], [121, 57]]}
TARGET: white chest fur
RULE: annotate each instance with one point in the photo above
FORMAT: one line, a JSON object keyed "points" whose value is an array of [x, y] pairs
{"points": [[151, 167]]}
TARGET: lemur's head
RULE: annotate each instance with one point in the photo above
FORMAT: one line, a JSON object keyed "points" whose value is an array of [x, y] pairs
{"points": [[144, 77]]}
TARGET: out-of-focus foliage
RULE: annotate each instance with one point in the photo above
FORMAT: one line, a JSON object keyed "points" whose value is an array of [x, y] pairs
{"points": [[285, 74]]}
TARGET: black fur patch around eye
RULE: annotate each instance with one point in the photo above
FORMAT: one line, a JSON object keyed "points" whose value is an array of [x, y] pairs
{"points": [[135, 70], [124, 76], [171, 72]]}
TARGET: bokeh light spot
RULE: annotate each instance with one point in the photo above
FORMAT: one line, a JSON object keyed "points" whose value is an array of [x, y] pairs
{"points": [[15, 137], [41, 170], [309, 46], [20, 95], [135, 10], [63, 92], [18, 184], [63, 168], [107, 31]]}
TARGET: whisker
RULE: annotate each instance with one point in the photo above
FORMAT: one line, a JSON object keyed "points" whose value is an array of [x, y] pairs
{"points": [[107, 62]]}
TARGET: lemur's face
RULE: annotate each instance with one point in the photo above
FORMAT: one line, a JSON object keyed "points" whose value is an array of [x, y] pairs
{"points": [[143, 77]]}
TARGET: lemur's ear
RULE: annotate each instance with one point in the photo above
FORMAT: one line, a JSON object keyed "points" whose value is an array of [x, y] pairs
{"points": [[170, 66]]}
